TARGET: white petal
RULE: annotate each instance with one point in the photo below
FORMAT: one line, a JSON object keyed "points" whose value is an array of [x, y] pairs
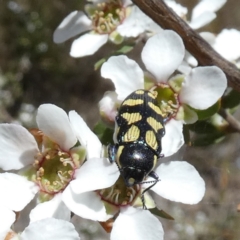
{"points": [[87, 44], [7, 218], [137, 224], [203, 87], [190, 59], [54, 208], [184, 67], [202, 20], [153, 28], [179, 182], [136, 23], [86, 205], [177, 8], [84, 134], [17, 146], [207, 5], [125, 73], [126, 2], [75, 23], [108, 105], [227, 44], [162, 54], [50, 228], [186, 114], [94, 174], [209, 37], [18, 191], [54, 123], [173, 138]]}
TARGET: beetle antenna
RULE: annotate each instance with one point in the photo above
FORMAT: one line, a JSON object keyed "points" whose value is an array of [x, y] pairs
{"points": [[157, 180], [142, 196]]}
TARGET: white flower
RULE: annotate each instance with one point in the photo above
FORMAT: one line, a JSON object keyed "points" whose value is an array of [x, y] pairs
{"points": [[202, 14], [227, 44], [106, 20], [48, 228], [162, 54], [99, 198], [17, 192], [51, 159], [177, 8], [108, 106]]}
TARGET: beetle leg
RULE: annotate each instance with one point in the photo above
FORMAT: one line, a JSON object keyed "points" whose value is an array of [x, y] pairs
{"points": [[112, 150], [153, 175], [160, 155]]}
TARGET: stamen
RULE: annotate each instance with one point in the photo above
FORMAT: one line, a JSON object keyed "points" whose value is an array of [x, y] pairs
{"points": [[108, 16], [67, 161], [132, 191], [110, 193], [116, 194], [62, 178]]}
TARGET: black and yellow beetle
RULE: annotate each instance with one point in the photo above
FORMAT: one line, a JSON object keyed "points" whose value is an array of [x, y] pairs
{"points": [[139, 128]]}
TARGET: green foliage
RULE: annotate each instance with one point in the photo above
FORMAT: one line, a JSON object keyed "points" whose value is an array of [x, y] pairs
{"points": [[123, 50], [104, 133], [205, 114], [205, 133], [99, 63], [231, 100], [161, 213]]}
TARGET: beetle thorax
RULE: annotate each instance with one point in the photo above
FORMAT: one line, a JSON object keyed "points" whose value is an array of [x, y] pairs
{"points": [[135, 161]]}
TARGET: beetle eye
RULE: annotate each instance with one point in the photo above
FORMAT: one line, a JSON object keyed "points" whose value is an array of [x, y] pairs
{"points": [[131, 181]]}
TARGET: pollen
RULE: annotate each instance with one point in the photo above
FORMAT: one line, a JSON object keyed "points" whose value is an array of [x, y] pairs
{"points": [[119, 194], [55, 170], [107, 16]]}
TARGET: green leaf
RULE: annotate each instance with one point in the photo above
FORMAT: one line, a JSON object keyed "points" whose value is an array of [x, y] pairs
{"points": [[160, 213], [207, 139], [203, 127], [231, 100], [204, 114], [186, 135], [122, 50], [99, 63], [125, 49], [206, 133], [104, 133]]}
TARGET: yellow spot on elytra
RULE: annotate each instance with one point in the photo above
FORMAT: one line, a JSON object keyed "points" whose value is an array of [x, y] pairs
{"points": [[154, 124], [155, 108], [139, 92], [119, 152], [132, 102], [151, 139], [153, 94], [155, 160], [132, 134], [132, 117]]}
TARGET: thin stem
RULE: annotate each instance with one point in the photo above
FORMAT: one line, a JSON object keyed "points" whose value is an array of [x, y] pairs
{"points": [[234, 124]]}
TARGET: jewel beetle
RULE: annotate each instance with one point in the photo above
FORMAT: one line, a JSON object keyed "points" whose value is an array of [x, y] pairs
{"points": [[139, 128]]}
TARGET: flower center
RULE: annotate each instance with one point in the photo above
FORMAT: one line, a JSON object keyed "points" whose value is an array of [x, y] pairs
{"points": [[119, 194], [168, 100], [106, 16], [55, 169]]}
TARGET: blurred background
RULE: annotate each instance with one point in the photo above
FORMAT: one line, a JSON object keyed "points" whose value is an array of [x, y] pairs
{"points": [[34, 70]]}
